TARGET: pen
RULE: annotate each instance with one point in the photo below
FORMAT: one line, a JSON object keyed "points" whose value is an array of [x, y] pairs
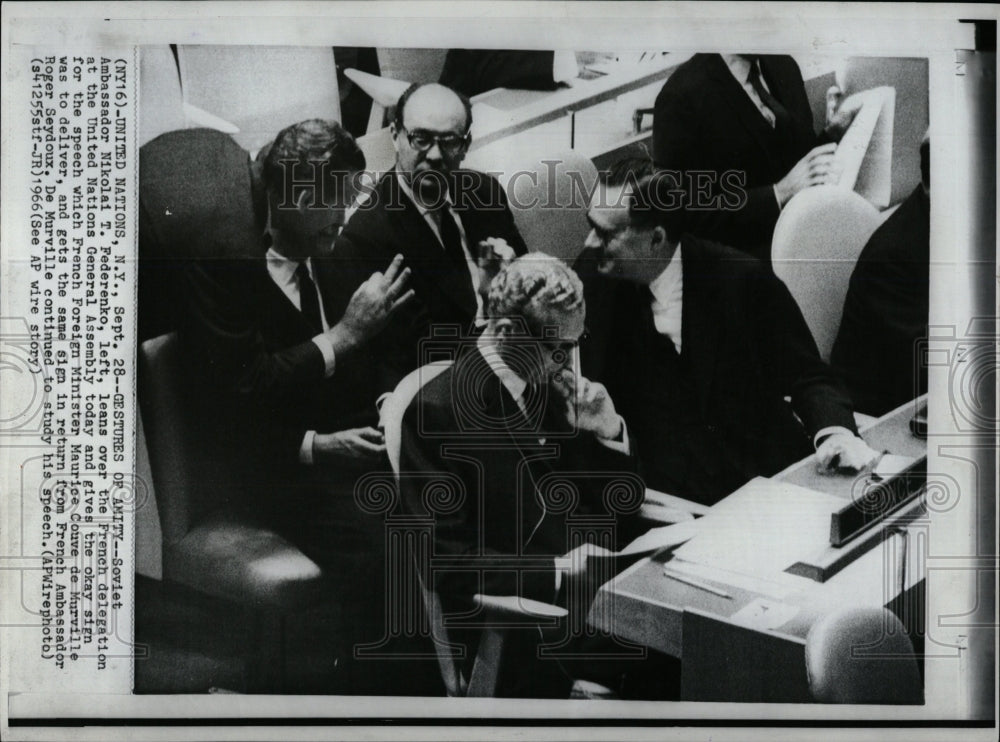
{"points": [[694, 583]]}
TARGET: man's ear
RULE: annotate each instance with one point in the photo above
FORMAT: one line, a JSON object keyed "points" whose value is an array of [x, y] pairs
{"points": [[659, 239]]}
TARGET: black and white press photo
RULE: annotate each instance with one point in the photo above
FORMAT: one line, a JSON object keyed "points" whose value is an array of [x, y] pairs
{"points": [[628, 369]]}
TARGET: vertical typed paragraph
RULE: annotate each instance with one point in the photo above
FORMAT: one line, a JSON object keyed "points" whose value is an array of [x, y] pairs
{"points": [[81, 298]]}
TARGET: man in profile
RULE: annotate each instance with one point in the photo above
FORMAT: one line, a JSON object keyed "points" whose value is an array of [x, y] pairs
{"points": [[699, 344], [275, 367], [528, 448], [450, 225]]}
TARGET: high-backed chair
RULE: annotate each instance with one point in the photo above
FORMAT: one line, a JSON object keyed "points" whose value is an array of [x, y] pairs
{"points": [[482, 680], [207, 547], [550, 204], [816, 244], [862, 655], [259, 90], [160, 96], [909, 78]]}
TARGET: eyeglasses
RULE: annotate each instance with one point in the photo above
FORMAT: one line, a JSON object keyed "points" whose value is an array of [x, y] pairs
{"points": [[565, 347], [422, 141]]}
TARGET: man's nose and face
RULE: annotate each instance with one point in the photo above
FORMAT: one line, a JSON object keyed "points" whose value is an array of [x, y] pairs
{"points": [[432, 141], [312, 227], [558, 351], [621, 248]]}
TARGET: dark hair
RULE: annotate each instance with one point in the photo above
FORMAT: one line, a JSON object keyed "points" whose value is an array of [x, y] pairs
{"points": [[325, 143], [653, 194], [397, 112]]}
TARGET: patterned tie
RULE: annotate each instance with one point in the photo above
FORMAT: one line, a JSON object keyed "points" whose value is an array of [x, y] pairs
{"points": [[781, 115], [309, 298]]}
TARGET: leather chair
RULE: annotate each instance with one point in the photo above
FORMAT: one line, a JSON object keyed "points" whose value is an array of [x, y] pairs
{"points": [[496, 610], [817, 241], [862, 655], [207, 547]]}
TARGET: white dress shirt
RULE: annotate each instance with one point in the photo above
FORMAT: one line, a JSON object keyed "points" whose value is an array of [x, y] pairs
{"points": [[740, 68], [282, 272], [432, 218], [667, 304], [668, 299]]}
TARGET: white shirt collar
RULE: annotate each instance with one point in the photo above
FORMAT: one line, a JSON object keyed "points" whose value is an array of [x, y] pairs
{"points": [[663, 286], [513, 383], [408, 192], [283, 269], [739, 66]]}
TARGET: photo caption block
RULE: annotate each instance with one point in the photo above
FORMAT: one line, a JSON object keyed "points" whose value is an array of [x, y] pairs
{"points": [[70, 319]]}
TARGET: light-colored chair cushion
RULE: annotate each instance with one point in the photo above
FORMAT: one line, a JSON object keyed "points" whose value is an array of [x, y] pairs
{"points": [[862, 655], [816, 244]]}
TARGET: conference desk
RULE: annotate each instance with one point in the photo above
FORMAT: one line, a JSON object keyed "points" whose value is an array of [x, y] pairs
{"points": [[730, 659]]}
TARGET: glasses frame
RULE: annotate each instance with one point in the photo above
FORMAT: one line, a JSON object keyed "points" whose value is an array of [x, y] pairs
{"points": [[461, 142]]}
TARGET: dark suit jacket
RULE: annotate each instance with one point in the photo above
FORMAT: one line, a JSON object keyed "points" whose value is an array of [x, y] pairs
{"points": [[492, 458], [704, 120], [744, 347], [389, 225], [202, 264], [257, 350], [474, 71], [885, 312]]}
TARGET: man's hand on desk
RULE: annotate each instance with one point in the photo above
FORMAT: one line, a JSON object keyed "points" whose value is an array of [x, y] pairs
{"points": [[371, 306], [354, 445], [845, 451]]}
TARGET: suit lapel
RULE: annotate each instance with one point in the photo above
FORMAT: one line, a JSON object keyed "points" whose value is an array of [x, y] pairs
{"points": [[700, 322], [513, 447], [274, 306], [744, 110], [426, 250]]}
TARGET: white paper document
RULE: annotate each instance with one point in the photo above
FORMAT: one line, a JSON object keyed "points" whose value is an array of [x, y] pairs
{"points": [[762, 528], [662, 538]]}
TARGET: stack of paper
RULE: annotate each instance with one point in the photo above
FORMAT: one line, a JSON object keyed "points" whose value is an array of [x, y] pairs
{"points": [[762, 528]]}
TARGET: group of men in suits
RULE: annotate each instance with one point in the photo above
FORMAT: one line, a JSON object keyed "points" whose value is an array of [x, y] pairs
{"points": [[302, 316]]}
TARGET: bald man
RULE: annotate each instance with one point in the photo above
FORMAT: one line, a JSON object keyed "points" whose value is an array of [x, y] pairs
{"points": [[452, 226]]}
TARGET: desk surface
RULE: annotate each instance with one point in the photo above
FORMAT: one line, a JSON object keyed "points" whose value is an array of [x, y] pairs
{"points": [[643, 605]]}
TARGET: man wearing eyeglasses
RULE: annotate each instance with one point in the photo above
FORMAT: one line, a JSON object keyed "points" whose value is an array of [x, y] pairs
{"points": [[453, 228]]}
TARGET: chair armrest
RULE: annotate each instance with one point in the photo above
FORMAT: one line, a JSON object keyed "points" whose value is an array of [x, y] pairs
{"points": [[514, 606]]}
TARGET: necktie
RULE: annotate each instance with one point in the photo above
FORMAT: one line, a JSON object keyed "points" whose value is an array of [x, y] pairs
{"points": [[309, 298], [781, 114], [456, 255]]}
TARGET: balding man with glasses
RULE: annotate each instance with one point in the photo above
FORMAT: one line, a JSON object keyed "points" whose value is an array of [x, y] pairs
{"points": [[452, 226]]}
